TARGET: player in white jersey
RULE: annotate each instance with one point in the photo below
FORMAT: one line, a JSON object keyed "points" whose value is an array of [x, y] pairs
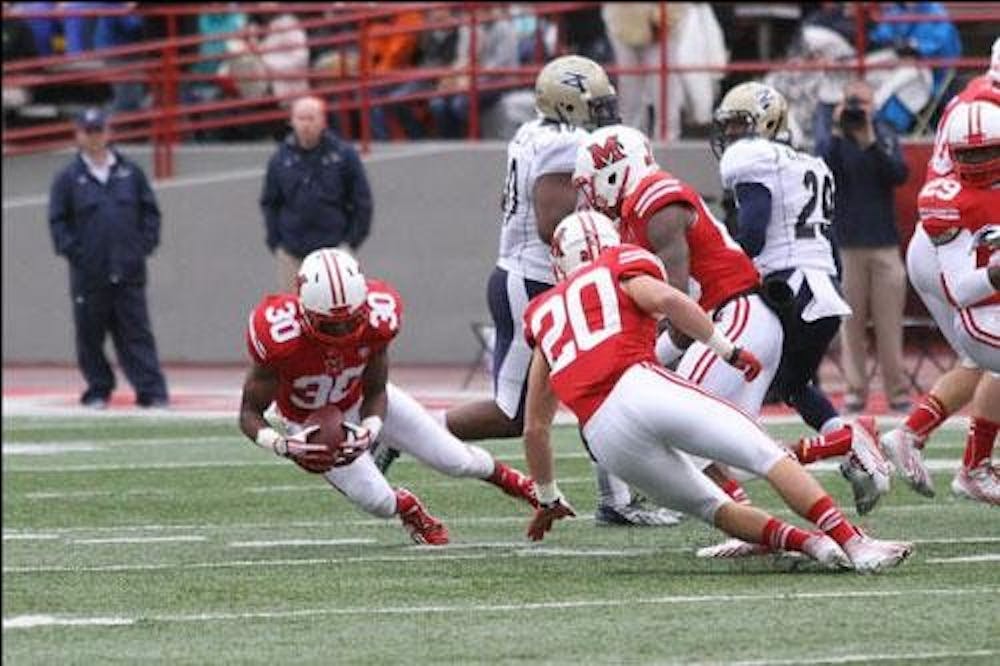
{"points": [[785, 204], [572, 94]]}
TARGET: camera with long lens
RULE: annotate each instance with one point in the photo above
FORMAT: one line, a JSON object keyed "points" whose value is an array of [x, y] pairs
{"points": [[853, 116]]}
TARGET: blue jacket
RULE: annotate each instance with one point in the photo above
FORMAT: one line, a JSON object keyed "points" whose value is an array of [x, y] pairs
{"points": [[864, 199], [315, 198], [105, 231]]}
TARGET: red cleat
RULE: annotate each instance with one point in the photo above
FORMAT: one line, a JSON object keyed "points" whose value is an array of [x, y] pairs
{"points": [[422, 526], [514, 483]]}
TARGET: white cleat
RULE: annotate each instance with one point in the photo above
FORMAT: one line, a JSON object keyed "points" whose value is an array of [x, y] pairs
{"points": [[732, 549], [825, 550], [636, 514], [869, 555], [900, 446], [981, 484], [866, 468]]}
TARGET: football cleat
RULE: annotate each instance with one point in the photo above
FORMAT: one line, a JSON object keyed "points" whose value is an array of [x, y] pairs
{"points": [[732, 549], [866, 468], [825, 550], [635, 514], [981, 483], [422, 526], [900, 446], [869, 555], [514, 483]]}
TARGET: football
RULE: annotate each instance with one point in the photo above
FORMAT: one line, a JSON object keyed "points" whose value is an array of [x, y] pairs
{"points": [[331, 427]]}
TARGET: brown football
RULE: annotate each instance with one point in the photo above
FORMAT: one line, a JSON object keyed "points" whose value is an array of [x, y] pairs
{"points": [[331, 431]]}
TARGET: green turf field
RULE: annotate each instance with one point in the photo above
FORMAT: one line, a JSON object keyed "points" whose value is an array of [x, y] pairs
{"points": [[178, 542]]}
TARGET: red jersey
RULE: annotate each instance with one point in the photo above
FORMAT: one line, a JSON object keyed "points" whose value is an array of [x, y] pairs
{"points": [[719, 266], [979, 89], [589, 329], [945, 204], [312, 374]]}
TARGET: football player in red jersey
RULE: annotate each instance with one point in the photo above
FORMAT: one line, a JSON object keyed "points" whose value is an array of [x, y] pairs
{"points": [[327, 346], [593, 335], [955, 388], [958, 217], [617, 174]]}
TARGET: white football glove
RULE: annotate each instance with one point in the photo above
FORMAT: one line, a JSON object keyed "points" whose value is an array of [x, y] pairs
{"points": [[359, 439]]}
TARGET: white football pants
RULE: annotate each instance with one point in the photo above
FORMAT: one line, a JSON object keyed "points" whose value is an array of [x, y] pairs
{"points": [[960, 330], [407, 427], [650, 423]]}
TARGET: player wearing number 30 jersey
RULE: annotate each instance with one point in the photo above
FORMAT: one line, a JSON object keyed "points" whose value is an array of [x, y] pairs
{"points": [[594, 335], [327, 346]]}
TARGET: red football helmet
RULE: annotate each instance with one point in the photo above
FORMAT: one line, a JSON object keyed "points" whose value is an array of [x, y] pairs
{"points": [[333, 294]]}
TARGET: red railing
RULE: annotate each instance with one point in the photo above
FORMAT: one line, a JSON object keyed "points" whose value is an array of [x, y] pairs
{"points": [[162, 65]]}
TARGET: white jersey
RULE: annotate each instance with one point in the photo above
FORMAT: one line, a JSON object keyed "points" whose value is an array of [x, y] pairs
{"points": [[539, 147], [801, 188]]}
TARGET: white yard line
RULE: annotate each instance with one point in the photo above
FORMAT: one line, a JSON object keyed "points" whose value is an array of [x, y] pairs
{"points": [[66, 532], [184, 538], [969, 559], [81, 494], [19, 622], [300, 542], [935, 465], [860, 658]]}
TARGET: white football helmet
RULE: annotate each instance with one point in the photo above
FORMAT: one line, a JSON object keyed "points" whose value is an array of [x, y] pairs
{"points": [[579, 239], [576, 91], [610, 164], [973, 138], [750, 109], [333, 294]]}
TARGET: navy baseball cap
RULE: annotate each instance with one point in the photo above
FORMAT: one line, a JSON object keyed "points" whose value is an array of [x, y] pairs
{"points": [[92, 119]]}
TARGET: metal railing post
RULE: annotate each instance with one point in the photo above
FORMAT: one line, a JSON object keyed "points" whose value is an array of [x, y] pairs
{"points": [[860, 36], [473, 75], [364, 71], [664, 70]]}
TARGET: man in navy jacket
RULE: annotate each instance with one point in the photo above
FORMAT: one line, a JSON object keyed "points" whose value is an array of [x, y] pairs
{"points": [[315, 193], [104, 219]]}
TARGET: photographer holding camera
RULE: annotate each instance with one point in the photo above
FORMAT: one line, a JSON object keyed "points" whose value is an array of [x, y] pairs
{"points": [[867, 166]]}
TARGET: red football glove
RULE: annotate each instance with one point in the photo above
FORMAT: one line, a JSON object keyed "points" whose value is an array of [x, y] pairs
{"points": [[745, 362], [547, 514]]}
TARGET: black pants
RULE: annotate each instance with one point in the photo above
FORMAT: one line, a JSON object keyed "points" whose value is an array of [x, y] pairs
{"points": [[121, 310]]}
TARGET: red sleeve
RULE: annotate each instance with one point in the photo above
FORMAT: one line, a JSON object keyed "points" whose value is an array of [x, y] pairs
{"points": [[632, 261], [273, 329]]}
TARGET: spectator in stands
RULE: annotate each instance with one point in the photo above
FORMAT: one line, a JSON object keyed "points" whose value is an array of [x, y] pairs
{"points": [[900, 93], [496, 42], [867, 166], [634, 31], [43, 30], [117, 31], [436, 48], [104, 219], [315, 193], [209, 24], [285, 54], [390, 53], [586, 35]]}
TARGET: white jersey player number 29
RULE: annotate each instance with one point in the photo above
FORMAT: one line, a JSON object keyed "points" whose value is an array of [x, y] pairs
{"points": [[569, 308]]}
